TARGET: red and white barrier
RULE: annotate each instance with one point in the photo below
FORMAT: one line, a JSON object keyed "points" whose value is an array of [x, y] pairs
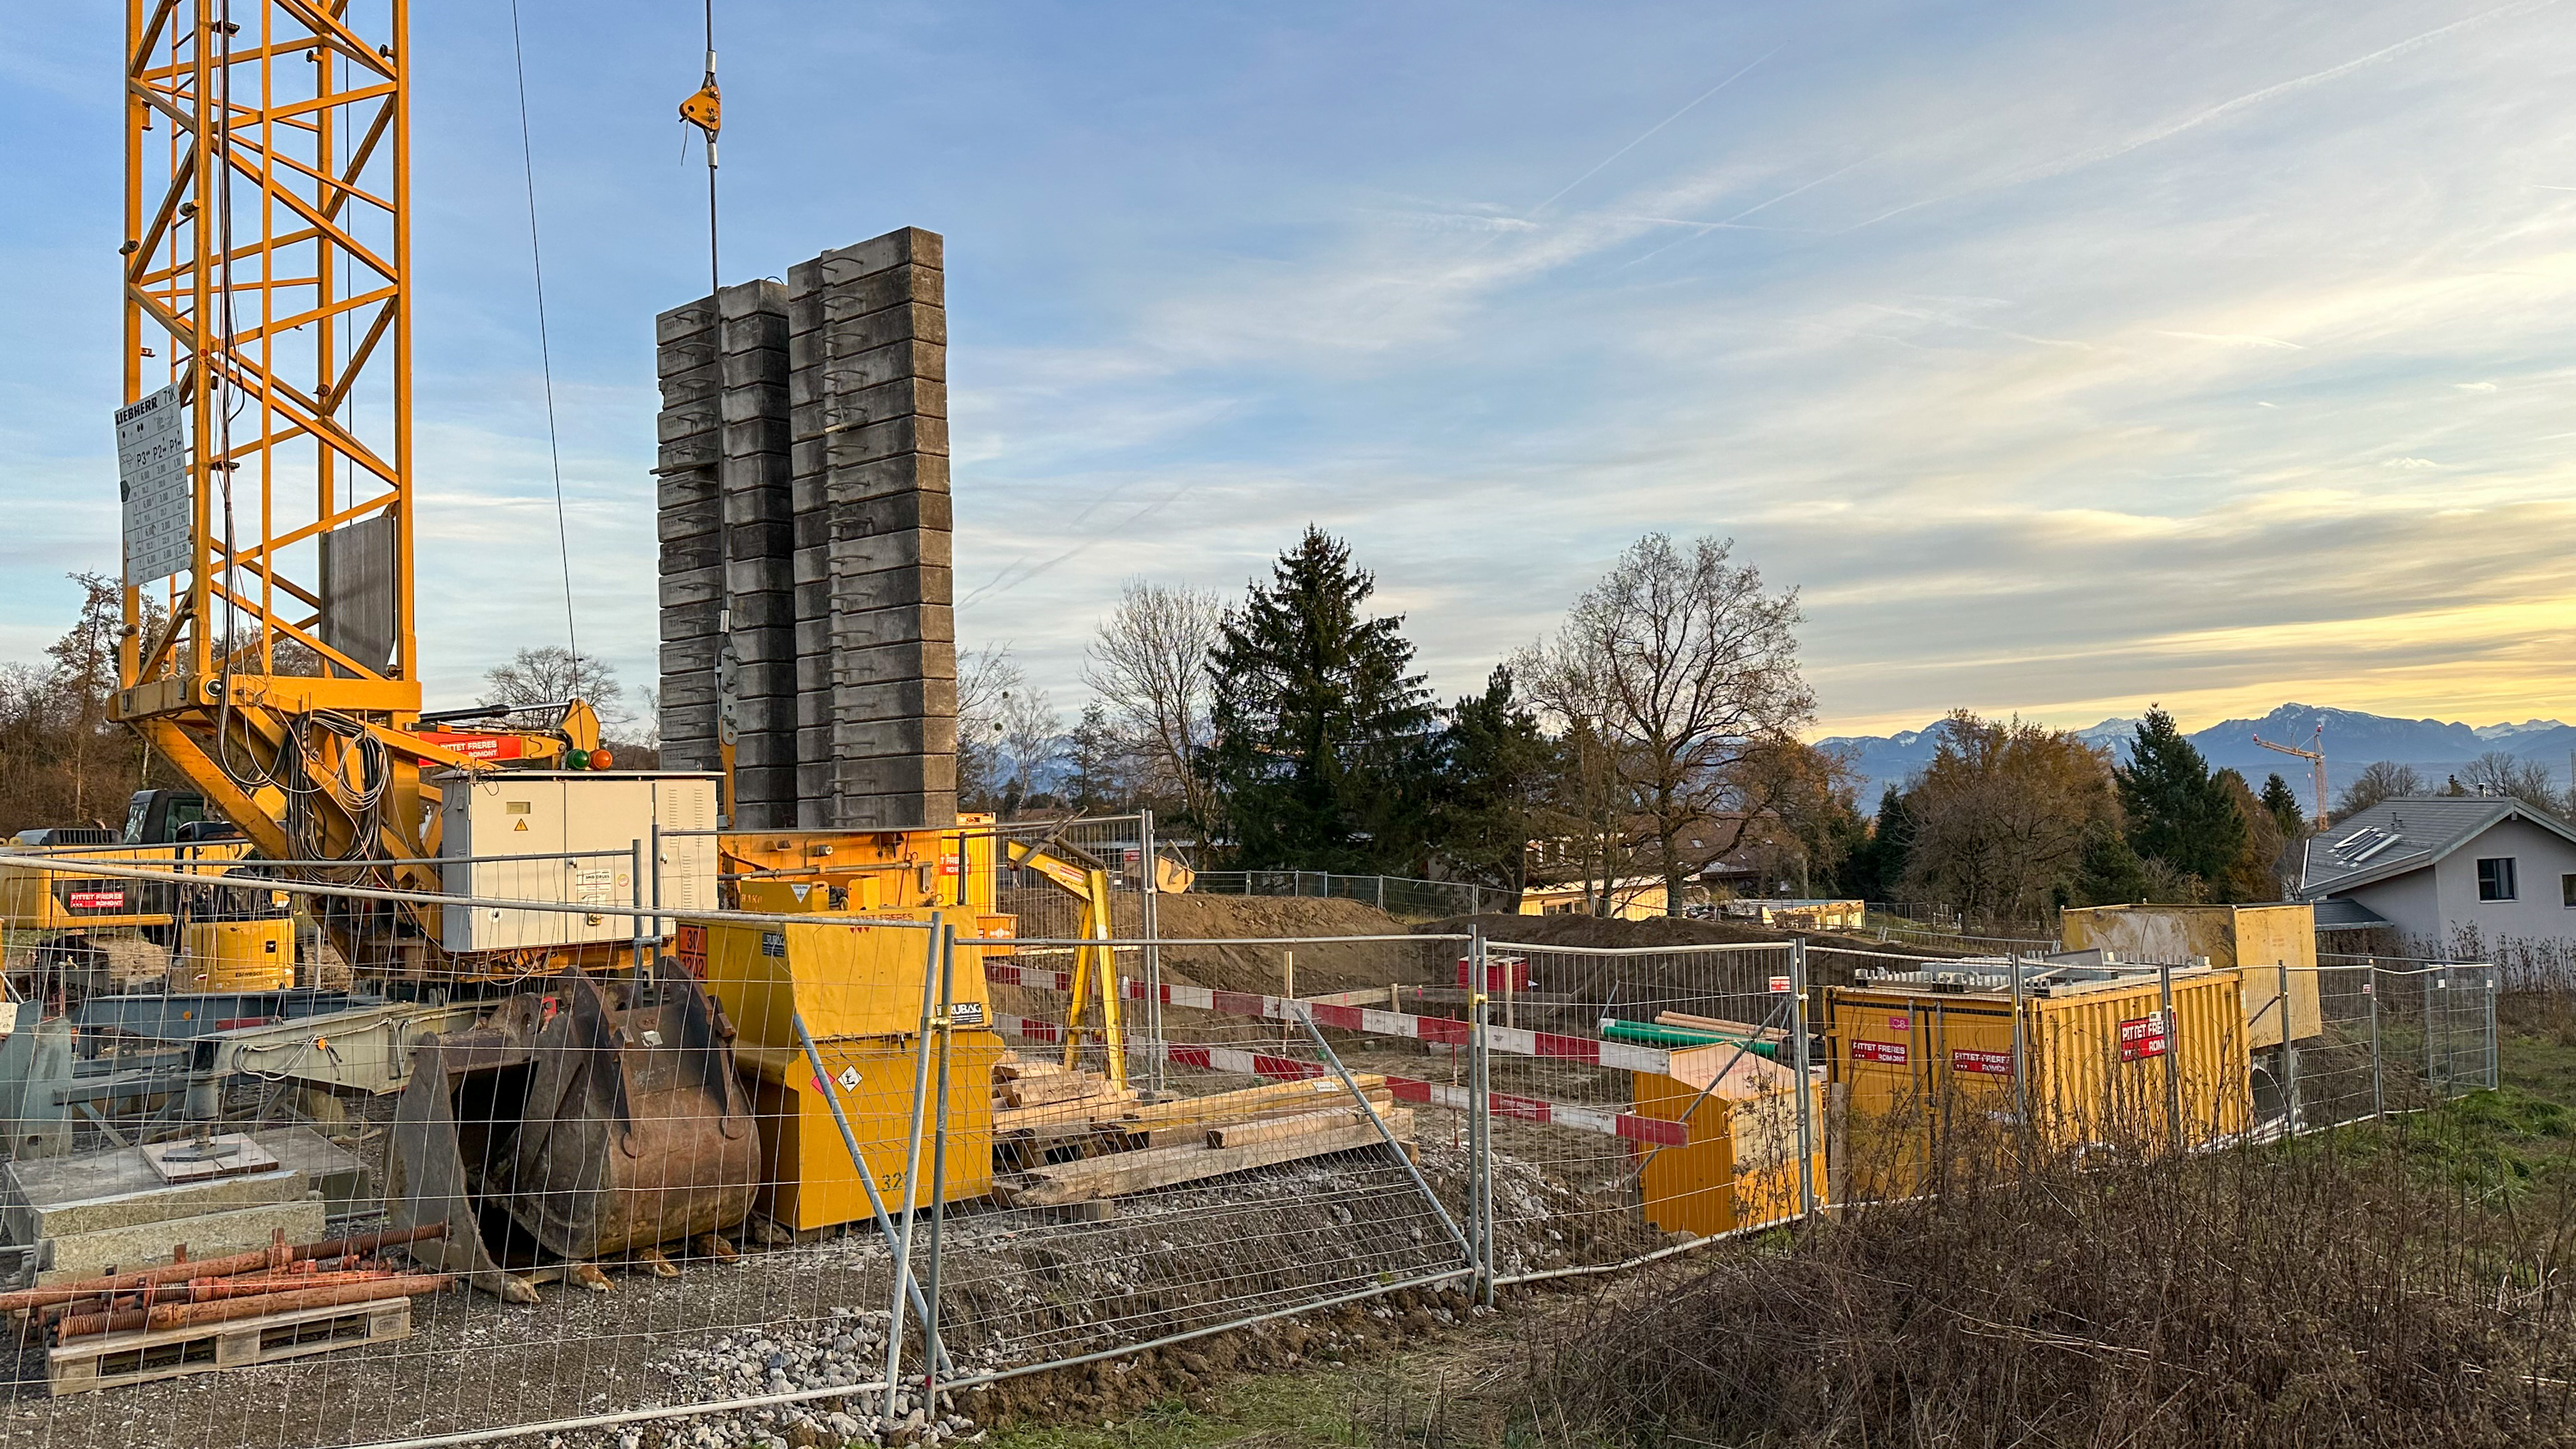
{"points": [[1653, 1131], [1437, 1030]]}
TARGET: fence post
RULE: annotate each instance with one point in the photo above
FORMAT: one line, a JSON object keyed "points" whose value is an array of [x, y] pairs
{"points": [[2289, 1051], [2173, 1075], [934, 1349], [2378, 1085], [910, 1186], [1153, 951], [2494, 1076], [2020, 1062], [1381, 893], [1806, 1078], [653, 842], [2431, 1079], [1480, 1123], [635, 898]]}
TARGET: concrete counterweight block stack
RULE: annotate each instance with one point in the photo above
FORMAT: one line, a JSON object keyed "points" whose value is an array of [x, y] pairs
{"points": [[876, 650], [690, 521], [759, 545]]}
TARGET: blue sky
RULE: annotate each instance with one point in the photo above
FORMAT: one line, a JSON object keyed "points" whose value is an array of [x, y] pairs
{"points": [[2065, 357]]}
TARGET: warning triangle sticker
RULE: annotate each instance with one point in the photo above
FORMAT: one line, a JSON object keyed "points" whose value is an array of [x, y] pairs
{"points": [[522, 825]]}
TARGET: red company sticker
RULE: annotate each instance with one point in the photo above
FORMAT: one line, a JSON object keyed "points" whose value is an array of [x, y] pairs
{"points": [[1779, 983], [1885, 1053], [1981, 1064], [98, 900], [2143, 1037], [1899, 1023]]}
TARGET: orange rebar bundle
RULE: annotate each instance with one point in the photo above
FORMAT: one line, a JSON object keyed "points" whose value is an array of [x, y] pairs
{"points": [[187, 1314], [277, 1279]]}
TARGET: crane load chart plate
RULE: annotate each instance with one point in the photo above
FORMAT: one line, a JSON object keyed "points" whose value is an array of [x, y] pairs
{"points": [[152, 479]]}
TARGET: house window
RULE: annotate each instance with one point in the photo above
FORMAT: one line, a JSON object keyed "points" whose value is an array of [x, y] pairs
{"points": [[2495, 878], [2567, 891]]}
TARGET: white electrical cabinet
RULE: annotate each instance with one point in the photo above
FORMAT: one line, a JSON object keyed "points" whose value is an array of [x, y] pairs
{"points": [[571, 838]]}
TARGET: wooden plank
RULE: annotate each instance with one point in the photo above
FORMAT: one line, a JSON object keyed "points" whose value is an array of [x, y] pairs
{"points": [[117, 1359], [1235, 1104], [1716, 1023], [1040, 1091], [1106, 1105], [1271, 1129], [1123, 1173], [1016, 1071]]}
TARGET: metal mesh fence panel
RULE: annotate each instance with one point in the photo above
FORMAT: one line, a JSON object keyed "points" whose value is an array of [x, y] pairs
{"points": [[1279, 1163], [1640, 1099], [798, 1158]]}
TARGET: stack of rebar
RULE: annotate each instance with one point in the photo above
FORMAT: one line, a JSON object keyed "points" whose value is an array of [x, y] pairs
{"points": [[184, 1294]]}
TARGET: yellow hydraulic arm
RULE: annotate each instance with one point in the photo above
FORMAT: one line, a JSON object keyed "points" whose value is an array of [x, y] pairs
{"points": [[1095, 968]]}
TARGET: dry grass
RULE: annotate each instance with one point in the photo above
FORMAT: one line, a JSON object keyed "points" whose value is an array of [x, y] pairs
{"points": [[2308, 1296]]}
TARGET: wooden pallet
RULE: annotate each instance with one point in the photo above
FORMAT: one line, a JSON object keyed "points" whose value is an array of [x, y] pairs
{"points": [[114, 1360]]}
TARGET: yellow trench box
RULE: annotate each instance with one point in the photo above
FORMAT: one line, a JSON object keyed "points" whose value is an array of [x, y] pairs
{"points": [[857, 984]]}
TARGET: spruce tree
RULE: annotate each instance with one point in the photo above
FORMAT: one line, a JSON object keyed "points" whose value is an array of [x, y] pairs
{"points": [[2109, 873], [1878, 863], [2283, 802], [2178, 812], [1094, 756], [1496, 764], [1323, 735]]}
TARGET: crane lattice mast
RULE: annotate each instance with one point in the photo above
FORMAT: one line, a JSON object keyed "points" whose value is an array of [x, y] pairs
{"points": [[2315, 755]]}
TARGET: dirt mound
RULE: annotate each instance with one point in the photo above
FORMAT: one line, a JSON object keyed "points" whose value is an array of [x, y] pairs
{"points": [[1320, 968], [1604, 933]]}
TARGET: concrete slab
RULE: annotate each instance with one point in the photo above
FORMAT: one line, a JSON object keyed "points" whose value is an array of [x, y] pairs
{"points": [[339, 1175], [49, 1197], [208, 1235]]}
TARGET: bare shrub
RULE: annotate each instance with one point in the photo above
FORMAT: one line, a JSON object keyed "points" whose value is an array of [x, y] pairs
{"points": [[2303, 1295]]}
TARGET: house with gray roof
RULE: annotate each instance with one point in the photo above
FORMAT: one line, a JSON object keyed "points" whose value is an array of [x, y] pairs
{"points": [[2446, 869]]}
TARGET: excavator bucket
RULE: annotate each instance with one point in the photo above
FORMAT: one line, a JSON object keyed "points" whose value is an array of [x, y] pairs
{"points": [[580, 1122]]}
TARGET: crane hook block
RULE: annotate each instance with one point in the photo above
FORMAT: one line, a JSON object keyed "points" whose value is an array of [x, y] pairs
{"points": [[705, 110]]}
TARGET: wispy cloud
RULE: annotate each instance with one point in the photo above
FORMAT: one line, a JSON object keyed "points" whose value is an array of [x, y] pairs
{"points": [[2194, 352]]}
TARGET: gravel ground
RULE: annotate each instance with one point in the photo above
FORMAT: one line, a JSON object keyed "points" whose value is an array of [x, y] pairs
{"points": [[1016, 1290]]}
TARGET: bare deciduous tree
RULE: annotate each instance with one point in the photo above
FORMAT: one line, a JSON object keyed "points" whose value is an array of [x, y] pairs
{"points": [[2002, 814], [986, 677], [549, 674], [1032, 737], [1692, 671], [2378, 780], [1592, 812], [85, 673], [1149, 665], [2499, 773]]}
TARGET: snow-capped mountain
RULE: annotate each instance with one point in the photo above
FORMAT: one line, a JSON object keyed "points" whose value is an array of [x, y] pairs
{"points": [[2353, 738]]}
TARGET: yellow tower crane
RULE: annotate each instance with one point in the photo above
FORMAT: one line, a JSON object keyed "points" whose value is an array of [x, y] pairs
{"points": [[2315, 755]]}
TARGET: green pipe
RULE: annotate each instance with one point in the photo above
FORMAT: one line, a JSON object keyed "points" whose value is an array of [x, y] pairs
{"points": [[1647, 1033]]}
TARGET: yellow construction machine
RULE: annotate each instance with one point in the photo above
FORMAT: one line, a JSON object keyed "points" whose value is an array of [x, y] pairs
{"points": [[614, 1094]]}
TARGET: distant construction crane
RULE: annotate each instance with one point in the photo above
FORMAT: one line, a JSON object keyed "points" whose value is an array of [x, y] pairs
{"points": [[2315, 755]]}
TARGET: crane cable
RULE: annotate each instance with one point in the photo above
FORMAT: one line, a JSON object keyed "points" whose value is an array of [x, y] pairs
{"points": [[545, 351], [704, 109]]}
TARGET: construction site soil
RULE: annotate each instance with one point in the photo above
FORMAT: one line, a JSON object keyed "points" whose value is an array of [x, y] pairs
{"points": [[1602, 933], [1017, 1290]]}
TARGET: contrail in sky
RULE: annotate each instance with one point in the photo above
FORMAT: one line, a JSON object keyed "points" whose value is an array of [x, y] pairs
{"points": [[1651, 130]]}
